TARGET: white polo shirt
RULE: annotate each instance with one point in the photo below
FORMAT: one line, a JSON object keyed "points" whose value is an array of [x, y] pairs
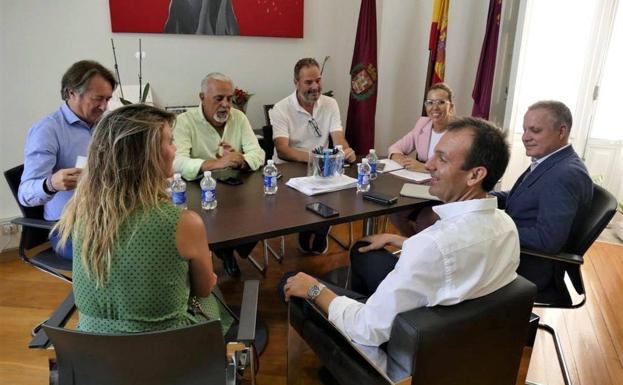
{"points": [[290, 120]]}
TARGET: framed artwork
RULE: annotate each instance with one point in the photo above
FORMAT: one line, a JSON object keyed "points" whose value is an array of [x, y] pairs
{"points": [[276, 18]]}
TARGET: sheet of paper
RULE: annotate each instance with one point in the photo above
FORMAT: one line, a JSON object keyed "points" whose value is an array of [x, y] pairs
{"points": [[81, 161], [412, 175], [417, 191], [390, 166]]}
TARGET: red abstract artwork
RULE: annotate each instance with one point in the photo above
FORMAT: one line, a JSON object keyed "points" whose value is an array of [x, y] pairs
{"points": [[277, 18]]}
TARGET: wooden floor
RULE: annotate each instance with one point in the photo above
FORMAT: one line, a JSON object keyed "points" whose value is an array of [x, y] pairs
{"points": [[592, 336]]}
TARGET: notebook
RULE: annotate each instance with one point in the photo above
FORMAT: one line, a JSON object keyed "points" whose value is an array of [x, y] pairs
{"points": [[417, 191]]}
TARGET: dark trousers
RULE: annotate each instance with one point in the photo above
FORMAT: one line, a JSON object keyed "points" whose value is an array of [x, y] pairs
{"points": [[367, 272], [243, 250]]}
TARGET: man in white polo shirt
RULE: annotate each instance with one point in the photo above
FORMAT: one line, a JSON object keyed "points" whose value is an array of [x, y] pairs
{"points": [[303, 121]]}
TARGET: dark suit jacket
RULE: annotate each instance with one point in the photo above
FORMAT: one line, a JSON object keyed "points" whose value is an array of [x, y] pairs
{"points": [[545, 207]]}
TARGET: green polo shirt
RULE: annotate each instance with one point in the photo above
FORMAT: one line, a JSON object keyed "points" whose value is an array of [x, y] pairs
{"points": [[197, 140]]}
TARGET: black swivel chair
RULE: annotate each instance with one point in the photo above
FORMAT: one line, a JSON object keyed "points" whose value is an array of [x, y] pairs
{"points": [[35, 232], [570, 259], [480, 341], [190, 355]]}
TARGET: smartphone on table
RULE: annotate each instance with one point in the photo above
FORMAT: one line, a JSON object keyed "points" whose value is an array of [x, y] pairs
{"points": [[382, 199], [322, 209]]}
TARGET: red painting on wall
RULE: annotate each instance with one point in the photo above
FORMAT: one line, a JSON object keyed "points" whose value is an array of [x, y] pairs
{"points": [[277, 18]]}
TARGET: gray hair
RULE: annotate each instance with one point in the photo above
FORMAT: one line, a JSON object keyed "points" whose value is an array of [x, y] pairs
{"points": [[215, 76], [557, 110]]}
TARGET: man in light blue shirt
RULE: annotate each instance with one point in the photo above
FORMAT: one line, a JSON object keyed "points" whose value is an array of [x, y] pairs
{"points": [[54, 143]]}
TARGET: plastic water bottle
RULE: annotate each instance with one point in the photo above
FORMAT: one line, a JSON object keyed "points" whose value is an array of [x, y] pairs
{"points": [[178, 188], [363, 176], [208, 191], [372, 161], [339, 160], [270, 178]]}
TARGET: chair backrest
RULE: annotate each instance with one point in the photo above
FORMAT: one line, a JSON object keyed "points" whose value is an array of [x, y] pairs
{"points": [[479, 341], [267, 107], [602, 209], [189, 355], [31, 236]]}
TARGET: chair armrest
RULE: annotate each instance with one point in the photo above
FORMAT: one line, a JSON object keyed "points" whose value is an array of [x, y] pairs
{"points": [[562, 256], [31, 222], [248, 311]]}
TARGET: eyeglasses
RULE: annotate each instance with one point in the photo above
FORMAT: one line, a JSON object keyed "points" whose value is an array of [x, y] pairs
{"points": [[312, 122], [436, 102]]}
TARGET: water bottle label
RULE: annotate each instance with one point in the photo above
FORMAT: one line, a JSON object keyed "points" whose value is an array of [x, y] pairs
{"points": [[373, 168], [363, 179], [270, 181], [208, 195], [179, 198]]}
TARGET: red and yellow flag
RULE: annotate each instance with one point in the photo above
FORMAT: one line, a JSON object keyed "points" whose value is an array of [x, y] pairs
{"points": [[437, 42]]}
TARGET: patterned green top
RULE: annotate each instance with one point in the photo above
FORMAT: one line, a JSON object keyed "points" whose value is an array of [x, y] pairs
{"points": [[148, 285]]}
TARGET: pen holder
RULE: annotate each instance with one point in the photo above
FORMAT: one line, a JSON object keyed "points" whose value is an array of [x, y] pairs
{"points": [[322, 165]]}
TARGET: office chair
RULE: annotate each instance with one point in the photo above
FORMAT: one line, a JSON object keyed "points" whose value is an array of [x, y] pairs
{"points": [[35, 232], [602, 209], [479, 341], [189, 355]]}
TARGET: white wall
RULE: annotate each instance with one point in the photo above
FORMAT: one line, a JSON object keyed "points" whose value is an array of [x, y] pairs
{"points": [[39, 39]]}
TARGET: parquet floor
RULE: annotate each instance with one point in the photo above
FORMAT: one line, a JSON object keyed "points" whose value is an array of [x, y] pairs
{"points": [[592, 336]]}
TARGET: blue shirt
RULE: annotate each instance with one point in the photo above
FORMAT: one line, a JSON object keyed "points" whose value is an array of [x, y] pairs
{"points": [[53, 143]]}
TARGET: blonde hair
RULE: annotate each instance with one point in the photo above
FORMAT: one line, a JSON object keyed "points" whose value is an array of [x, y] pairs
{"points": [[123, 173]]}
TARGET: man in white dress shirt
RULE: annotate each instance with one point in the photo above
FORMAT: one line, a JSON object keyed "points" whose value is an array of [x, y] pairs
{"points": [[471, 251]]}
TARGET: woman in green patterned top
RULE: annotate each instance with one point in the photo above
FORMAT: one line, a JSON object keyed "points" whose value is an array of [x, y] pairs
{"points": [[137, 258]]}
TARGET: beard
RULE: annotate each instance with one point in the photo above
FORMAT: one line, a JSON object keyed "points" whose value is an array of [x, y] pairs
{"points": [[221, 116]]}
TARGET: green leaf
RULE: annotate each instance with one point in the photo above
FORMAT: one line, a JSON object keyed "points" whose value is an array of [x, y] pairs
{"points": [[125, 102], [145, 93]]}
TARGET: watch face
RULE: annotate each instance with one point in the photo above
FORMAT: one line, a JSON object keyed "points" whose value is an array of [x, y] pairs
{"points": [[313, 292]]}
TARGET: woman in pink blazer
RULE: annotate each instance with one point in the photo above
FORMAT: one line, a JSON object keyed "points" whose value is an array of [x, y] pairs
{"points": [[421, 142]]}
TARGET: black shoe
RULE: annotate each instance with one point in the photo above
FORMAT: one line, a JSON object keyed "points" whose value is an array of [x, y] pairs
{"points": [[304, 238], [229, 262]]}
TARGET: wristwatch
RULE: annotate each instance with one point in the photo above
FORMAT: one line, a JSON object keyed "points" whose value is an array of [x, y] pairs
{"points": [[314, 291]]}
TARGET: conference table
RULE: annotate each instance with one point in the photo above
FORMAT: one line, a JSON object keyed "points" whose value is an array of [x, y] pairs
{"points": [[244, 214]]}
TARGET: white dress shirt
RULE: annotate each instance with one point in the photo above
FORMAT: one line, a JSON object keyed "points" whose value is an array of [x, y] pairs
{"points": [[472, 251], [290, 120]]}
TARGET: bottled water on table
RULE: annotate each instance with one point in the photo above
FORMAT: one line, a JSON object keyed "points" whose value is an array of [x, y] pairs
{"points": [[208, 191], [270, 178], [178, 189], [339, 160], [363, 176], [373, 160]]}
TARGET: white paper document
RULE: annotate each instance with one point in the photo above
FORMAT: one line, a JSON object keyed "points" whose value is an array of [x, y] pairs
{"points": [[412, 175], [313, 185], [81, 161], [417, 191], [390, 166]]}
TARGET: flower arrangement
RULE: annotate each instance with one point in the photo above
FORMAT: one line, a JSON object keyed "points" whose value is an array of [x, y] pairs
{"points": [[240, 99]]}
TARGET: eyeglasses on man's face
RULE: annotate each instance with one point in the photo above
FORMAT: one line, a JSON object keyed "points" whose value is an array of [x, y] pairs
{"points": [[312, 122], [435, 102]]}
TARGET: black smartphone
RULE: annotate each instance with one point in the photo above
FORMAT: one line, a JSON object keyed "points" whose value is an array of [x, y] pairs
{"points": [[379, 198], [322, 210]]}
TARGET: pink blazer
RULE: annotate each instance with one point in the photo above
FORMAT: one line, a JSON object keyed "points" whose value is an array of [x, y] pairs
{"points": [[418, 140]]}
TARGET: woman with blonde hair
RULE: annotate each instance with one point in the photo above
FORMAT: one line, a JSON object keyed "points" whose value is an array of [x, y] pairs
{"points": [[421, 142], [138, 260]]}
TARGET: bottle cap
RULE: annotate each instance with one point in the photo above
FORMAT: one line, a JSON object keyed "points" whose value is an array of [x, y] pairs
{"points": [[364, 160], [269, 162], [177, 176], [207, 174], [372, 151]]}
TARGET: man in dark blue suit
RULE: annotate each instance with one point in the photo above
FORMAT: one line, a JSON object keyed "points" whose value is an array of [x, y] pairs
{"points": [[549, 197]]}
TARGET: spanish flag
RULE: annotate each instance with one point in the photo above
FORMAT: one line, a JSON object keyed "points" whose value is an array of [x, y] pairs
{"points": [[437, 42]]}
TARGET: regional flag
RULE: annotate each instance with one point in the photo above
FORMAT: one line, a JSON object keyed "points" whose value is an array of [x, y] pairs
{"points": [[363, 82], [437, 42], [486, 65]]}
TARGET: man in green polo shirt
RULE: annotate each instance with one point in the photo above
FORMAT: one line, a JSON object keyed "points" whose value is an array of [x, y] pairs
{"points": [[214, 136]]}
